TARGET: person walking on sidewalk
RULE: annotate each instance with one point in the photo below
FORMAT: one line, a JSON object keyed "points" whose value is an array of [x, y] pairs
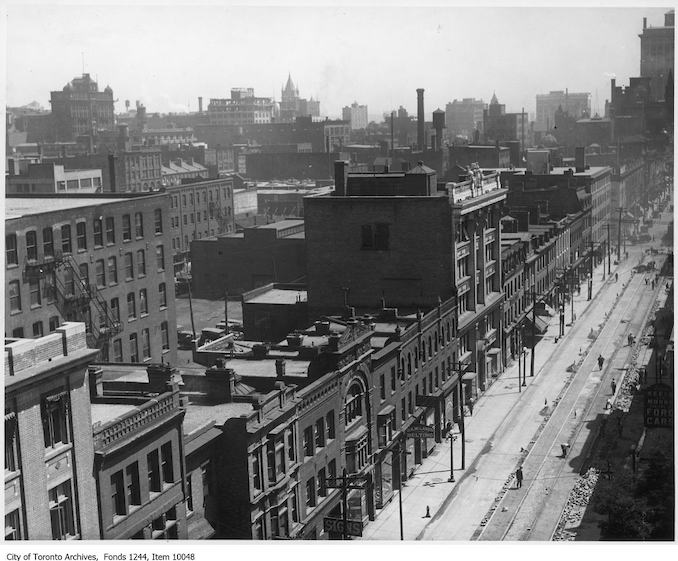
{"points": [[613, 385], [519, 477], [601, 361], [470, 406]]}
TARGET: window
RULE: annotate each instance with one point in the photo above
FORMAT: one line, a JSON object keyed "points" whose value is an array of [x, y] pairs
{"points": [[153, 463], [157, 219], [308, 441], [14, 296], [34, 289], [167, 467], [270, 461], [291, 449], [139, 225], [382, 388], [141, 263], [393, 378], [143, 302], [118, 494], [11, 456], [133, 348], [81, 235], [18, 333], [322, 483], [10, 250], [84, 275], [126, 228], [32, 245], [162, 294], [131, 306], [133, 489], [160, 257], [115, 309], [329, 419], [48, 242], [353, 407], [332, 469], [98, 232], [69, 282], [145, 344], [367, 240], [129, 266], [112, 270], [117, 350], [185, 219], [55, 419], [164, 332], [385, 428], [100, 273], [61, 511], [381, 237], [37, 329], [53, 323], [256, 471], [320, 433], [13, 526], [310, 492], [110, 229], [66, 246]]}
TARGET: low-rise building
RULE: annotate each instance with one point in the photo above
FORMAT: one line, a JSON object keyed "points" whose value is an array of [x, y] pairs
{"points": [[53, 178], [50, 493]]}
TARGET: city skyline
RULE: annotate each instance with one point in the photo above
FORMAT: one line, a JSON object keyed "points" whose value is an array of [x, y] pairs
{"points": [[551, 53]]}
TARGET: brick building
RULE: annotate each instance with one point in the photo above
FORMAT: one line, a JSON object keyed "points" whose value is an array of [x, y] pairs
{"points": [[198, 209], [52, 178], [49, 490], [657, 46], [239, 262], [272, 311], [242, 108], [80, 109], [499, 125], [463, 117], [100, 259], [138, 448]]}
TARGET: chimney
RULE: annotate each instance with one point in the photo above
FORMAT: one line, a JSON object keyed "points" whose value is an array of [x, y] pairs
{"points": [[259, 351], [159, 377], [280, 368], [340, 178], [200, 104], [579, 159], [421, 141], [644, 23], [220, 383], [405, 166]]}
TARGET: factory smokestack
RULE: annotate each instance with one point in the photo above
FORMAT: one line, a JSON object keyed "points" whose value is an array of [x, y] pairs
{"points": [[421, 141]]}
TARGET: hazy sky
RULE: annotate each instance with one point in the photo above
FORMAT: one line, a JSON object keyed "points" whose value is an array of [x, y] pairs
{"points": [[168, 55]]}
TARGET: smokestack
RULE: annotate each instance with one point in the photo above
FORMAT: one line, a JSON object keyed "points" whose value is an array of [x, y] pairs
{"points": [[421, 141], [644, 23], [439, 125], [340, 178], [579, 159], [200, 104]]}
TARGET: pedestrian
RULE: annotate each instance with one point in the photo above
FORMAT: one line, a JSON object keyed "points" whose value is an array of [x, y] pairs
{"points": [[601, 361], [652, 284], [613, 385], [519, 477], [470, 406], [616, 277], [645, 281]]}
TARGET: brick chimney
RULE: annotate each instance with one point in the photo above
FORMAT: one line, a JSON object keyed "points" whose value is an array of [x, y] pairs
{"points": [[220, 384], [340, 178], [159, 377], [579, 159], [421, 141]]}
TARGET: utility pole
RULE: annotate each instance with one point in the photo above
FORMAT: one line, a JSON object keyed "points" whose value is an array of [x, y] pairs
{"points": [[534, 321], [400, 488], [190, 307], [619, 226], [520, 357], [345, 483], [590, 283], [608, 249], [462, 426], [226, 311]]}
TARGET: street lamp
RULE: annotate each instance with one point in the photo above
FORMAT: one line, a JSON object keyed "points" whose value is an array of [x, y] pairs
{"points": [[452, 438]]}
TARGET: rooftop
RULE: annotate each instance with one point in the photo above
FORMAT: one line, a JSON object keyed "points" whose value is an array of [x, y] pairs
{"points": [[29, 206], [201, 414], [106, 412], [279, 296]]}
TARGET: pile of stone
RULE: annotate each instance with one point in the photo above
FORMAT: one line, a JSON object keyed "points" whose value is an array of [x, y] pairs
{"points": [[575, 507]]}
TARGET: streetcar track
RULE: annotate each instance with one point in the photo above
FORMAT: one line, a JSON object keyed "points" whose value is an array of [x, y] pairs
{"points": [[615, 310]]}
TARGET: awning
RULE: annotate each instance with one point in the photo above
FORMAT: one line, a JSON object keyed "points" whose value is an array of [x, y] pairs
{"points": [[469, 376], [386, 411], [540, 324]]}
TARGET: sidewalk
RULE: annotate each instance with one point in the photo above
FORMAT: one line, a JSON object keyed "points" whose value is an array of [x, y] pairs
{"points": [[430, 487]]}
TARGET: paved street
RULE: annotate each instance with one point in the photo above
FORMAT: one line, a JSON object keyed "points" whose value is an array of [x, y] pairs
{"points": [[536, 421]]}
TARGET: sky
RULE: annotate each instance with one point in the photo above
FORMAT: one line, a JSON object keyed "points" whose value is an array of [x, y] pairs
{"points": [[166, 55]]}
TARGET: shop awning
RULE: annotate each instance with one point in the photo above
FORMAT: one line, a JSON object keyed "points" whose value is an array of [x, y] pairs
{"points": [[386, 411], [540, 324]]}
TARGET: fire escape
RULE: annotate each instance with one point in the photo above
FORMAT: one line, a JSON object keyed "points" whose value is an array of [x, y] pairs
{"points": [[75, 299]]}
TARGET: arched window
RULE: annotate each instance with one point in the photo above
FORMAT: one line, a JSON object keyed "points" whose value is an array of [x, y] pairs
{"points": [[448, 331], [409, 364], [435, 342], [353, 409], [429, 347], [416, 357]]}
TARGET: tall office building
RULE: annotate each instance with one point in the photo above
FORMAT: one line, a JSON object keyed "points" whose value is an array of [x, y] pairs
{"points": [[578, 105], [356, 115], [656, 54]]}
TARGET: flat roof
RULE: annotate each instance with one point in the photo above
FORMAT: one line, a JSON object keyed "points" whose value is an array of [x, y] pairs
{"points": [[592, 170], [105, 412], [198, 414], [279, 296], [282, 225], [18, 207], [265, 368]]}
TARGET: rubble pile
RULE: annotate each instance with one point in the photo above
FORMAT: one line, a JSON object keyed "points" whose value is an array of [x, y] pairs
{"points": [[576, 505]]}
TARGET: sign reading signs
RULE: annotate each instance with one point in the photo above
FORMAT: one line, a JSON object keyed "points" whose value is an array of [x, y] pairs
{"points": [[336, 525], [420, 431], [659, 406]]}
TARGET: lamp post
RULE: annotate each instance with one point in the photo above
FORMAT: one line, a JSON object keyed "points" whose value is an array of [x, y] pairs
{"points": [[452, 439], [400, 488], [534, 335], [524, 365]]}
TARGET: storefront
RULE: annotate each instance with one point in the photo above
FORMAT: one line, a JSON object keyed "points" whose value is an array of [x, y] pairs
{"points": [[385, 474]]}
